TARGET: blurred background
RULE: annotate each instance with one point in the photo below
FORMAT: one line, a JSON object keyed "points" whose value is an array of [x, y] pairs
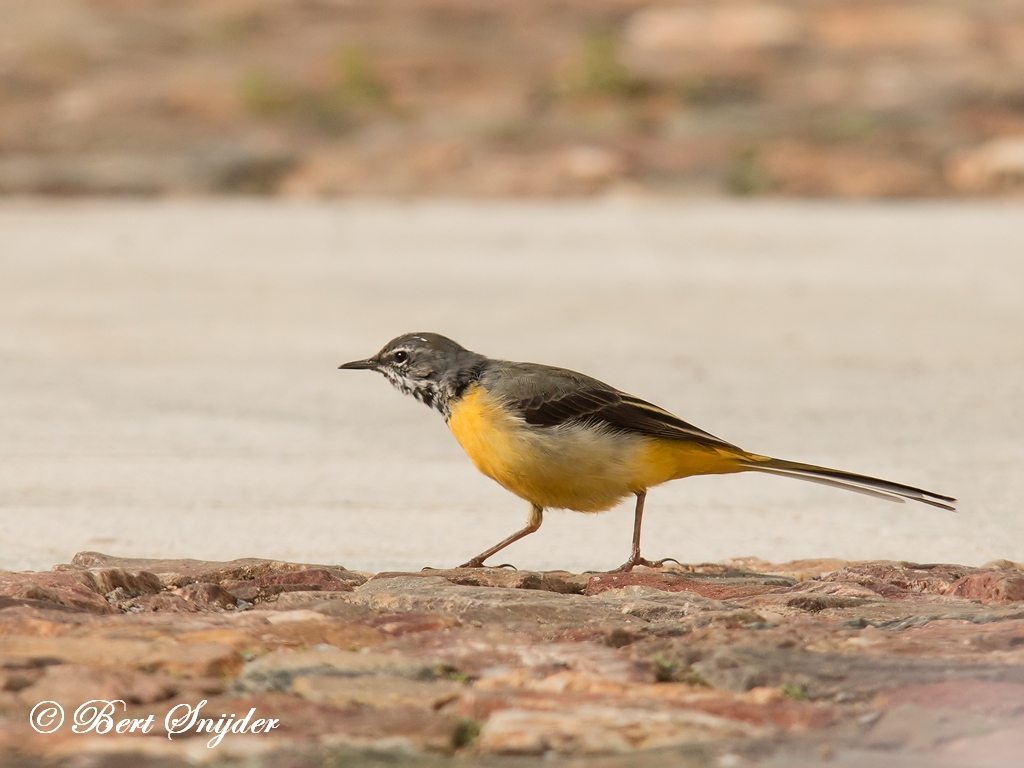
{"points": [[207, 205], [845, 98]]}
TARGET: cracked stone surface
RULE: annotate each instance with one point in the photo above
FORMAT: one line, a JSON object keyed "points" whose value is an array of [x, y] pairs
{"points": [[812, 663]]}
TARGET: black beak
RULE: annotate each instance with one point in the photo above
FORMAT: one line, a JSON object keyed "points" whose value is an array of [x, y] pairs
{"points": [[359, 365]]}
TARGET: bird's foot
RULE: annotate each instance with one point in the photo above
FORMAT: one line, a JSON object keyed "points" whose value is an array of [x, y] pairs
{"points": [[628, 566]]}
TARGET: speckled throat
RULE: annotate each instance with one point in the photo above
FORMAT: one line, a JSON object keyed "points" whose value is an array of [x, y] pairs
{"points": [[430, 393]]}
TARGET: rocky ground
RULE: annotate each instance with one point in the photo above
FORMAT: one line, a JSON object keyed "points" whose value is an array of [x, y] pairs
{"points": [[853, 98], [742, 663]]}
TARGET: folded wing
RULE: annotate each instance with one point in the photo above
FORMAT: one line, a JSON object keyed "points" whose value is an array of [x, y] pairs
{"points": [[612, 410]]}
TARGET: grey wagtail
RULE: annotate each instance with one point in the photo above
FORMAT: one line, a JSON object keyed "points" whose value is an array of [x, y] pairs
{"points": [[562, 440]]}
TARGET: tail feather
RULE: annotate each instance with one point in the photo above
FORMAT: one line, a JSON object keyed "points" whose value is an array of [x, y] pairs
{"points": [[872, 486]]}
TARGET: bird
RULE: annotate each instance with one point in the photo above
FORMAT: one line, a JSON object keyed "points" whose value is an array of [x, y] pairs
{"points": [[563, 440]]}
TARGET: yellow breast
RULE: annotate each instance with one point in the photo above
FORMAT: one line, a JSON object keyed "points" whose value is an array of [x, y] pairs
{"points": [[577, 467]]}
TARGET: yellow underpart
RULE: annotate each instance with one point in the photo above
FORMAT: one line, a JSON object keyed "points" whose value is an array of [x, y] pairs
{"points": [[576, 467]]}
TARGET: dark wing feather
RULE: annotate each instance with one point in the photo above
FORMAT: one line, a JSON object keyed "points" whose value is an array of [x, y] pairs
{"points": [[612, 409]]}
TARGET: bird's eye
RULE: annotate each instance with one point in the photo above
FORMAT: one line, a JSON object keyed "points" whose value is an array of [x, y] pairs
{"points": [[401, 356]]}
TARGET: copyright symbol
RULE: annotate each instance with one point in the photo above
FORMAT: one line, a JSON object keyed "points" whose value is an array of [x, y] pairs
{"points": [[46, 717]]}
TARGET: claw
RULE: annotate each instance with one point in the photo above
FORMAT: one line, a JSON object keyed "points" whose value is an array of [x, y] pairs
{"points": [[505, 565]]}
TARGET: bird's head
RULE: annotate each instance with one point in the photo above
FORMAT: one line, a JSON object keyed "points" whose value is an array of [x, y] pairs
{"points": [[430, 367]]}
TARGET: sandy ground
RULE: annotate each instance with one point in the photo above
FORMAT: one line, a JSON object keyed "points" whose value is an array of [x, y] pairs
{"points": [[168, 382]]}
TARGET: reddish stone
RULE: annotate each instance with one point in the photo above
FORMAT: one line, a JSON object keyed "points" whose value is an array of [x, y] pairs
{"points": [[179, 572], [898, 581], [306, 580], [992, 587], [71, 589], [788, 715]]}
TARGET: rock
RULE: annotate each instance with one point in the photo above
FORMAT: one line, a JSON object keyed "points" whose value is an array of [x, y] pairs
{"points": [[99, 590], [391, 736], [719, 587], [822, 676], [375, 692], [592, 730], [324, 631], [482, 604], [184, 659], [657, 605], [998, 587], [892, 27], [726, 29], [397, 624], [319, 600], [562, 582], [844, 171], [489, 651], [476, 577], [590, 165], [799, 570], [260, 588], [207, 596], [277, 671], [178, 573], [69, 590], [897, 580], [996, 165]]}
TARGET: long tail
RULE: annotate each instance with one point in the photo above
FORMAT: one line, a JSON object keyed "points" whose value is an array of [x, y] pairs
{"points": [[871, 486]]}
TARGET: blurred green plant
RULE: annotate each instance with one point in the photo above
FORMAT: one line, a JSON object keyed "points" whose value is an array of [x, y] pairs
{"points": [[601, 72], [664, 669], [357, 92], [354, 92], [465, 732], [265, 96], [358, 80], [444, 671], [747, 176], [796, 692]]}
